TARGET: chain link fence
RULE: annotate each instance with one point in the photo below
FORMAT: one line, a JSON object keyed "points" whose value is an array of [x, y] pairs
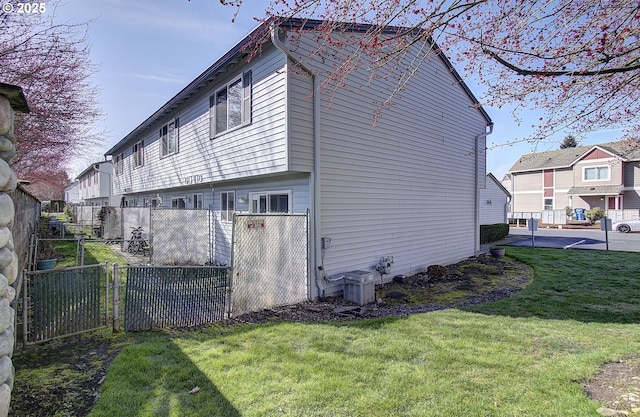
{"points": [[181, 237], [270, 261]]}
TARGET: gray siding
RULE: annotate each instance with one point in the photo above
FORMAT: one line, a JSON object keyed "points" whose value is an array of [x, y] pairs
{"points": [[493, 201], [257, 149], [390, 189]]}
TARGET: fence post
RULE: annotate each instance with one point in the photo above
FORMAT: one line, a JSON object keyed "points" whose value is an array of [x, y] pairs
{"points": [[116, 299], [106, 284]]}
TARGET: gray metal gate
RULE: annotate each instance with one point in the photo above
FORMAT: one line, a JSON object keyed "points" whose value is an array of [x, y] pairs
{"points": [[173, 296], [270, 261], [64, 302]]}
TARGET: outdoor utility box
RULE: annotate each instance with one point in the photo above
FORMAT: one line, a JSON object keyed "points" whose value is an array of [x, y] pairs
{"points": [[359, 287]]}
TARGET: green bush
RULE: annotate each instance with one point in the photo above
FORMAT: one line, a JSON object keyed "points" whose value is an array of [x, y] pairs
{"points": [[594, 214], [493, 232]]}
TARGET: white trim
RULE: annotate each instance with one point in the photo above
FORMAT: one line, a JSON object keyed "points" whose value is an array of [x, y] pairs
{"points": [[253, 196], [584, 168]]}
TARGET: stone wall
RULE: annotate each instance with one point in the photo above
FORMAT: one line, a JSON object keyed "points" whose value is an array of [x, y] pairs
{"points": [[9, 264]]}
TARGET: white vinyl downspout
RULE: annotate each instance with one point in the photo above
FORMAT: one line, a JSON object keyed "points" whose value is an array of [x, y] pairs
{"points": [[315, 249], [476, 234]]}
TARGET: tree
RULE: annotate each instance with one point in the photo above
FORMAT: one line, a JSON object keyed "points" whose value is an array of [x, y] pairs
{"points": [[51, 63], [568, 142], [578, 61]]}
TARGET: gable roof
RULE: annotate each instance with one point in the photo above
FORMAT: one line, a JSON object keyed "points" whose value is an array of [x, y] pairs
{"points": [[240, 51], [499, 184], [626, 150]]}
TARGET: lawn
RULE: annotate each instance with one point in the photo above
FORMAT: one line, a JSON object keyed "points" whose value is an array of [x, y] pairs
{"points": [[521, 356]]}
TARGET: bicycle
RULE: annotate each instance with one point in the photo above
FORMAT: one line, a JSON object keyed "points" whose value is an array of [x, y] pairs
{"points": [[137, 244]]}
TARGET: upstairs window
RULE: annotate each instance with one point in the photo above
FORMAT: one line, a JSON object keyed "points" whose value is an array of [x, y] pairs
{"points": [[230, 106], [119, 165], [599, 173], [138, 154], [169, 138]]}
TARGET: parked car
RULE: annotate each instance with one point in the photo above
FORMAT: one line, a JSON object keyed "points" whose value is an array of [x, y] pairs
{"points": [[627, 226]]}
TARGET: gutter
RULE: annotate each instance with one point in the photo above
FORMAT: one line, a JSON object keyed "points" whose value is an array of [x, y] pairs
{"points": [[476, 229], [315, 249]]}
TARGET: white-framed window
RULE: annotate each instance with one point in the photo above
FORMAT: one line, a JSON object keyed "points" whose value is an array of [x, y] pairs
{"points": [[145, 201], [169, 138], [596, 173], [548, 204], [271, 202], [227, 205], [230, 106], [198, 200], [95, 177], [138, 154], [119, 164], [178, 202]]}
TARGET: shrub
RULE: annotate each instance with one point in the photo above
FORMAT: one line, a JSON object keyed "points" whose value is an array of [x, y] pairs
{"points": [[493, 232], [594, 214]]}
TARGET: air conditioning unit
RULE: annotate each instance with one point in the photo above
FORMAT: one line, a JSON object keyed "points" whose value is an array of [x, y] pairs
{"points": [[359, 287]]}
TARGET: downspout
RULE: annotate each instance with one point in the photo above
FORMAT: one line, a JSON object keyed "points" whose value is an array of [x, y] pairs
{"points": [[318, 267], [476, 229]]}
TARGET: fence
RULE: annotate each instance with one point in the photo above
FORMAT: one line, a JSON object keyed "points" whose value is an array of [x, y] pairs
{"points": [[63, 302], [560, 216], [270, 261], [172, 296], [181, 237]]}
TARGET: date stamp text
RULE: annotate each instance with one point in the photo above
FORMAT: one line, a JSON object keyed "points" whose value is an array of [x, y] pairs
{"points": [[24, 8]]}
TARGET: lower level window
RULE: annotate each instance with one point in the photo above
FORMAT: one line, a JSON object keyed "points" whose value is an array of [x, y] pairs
{"points": [[227, 206], [548, 203], [271, 202], [178, 203]]}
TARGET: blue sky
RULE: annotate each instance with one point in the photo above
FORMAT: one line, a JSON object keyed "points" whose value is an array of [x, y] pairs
{"points": [[148, 50]]}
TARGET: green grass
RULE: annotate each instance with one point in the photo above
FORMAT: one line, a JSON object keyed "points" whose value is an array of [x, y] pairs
{"points": [[522, 356], [94, 253]]}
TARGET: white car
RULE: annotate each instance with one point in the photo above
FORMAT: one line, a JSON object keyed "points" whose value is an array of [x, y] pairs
{"points": [[627, 226]]}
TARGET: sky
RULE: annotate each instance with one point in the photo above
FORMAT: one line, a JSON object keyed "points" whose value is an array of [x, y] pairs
{"points": [[146, 51]]}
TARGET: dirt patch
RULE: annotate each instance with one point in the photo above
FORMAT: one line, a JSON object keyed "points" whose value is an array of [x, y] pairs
{"points": [[617, 385], [75, 367]]}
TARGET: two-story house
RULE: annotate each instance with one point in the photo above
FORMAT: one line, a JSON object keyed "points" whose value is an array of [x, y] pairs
{"points": [[94, 185], [605, 176], [265, 137]]}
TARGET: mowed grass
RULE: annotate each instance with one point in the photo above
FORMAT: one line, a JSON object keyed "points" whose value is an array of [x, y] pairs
{"points": [[522, 356]]}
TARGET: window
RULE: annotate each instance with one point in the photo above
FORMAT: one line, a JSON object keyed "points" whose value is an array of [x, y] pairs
{"points": [[198, 200], [230, 106], [600, 173], [227, 205], [178, 202], [271, 202], [548, 204], [119, 165], [138, 156], [169, 138]]}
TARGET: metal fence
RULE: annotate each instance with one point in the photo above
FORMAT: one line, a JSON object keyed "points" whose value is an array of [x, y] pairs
{"points": [[181, 237], [173, 296], [270, 261], [63, 302]]}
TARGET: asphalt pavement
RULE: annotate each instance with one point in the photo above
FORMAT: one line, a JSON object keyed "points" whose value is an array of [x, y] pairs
{"points": [[569, 239]]}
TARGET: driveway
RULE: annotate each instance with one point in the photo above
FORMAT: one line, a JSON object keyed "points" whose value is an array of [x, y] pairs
{"points": [[572, 239]]}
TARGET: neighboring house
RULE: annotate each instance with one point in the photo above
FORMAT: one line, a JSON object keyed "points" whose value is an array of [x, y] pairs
{"points": [[605, 176], [94, 185], [259, 137], [72, 193], [494, 202]]}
